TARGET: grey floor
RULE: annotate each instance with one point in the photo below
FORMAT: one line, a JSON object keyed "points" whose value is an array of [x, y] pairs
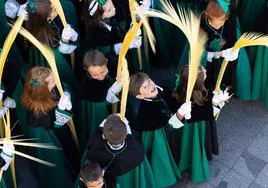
{"points": [[243, 141]]}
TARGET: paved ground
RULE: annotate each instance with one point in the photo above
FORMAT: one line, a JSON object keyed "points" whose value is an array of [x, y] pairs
{"points": [[243, 158]]}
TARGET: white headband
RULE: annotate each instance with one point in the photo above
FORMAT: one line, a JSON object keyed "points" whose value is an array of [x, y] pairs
{"points": [[93, 6]]}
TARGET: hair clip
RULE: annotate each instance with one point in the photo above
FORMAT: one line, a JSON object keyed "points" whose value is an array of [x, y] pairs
{"points": [[34, 83], [31, 6]]}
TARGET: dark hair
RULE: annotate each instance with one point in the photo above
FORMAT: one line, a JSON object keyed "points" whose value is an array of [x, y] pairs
{"points": [[90, 171], [199, 92], [114, 130], [136, 81], [39, 26], [91, 21], [94, 58]]}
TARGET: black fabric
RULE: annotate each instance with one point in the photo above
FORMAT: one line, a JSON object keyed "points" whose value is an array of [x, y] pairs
{"points": [[43, 120], [2, 162], [213, 68], [101, 36], [128, 158], [153, 115], [95, 90], [211, 139], [201, 112]]}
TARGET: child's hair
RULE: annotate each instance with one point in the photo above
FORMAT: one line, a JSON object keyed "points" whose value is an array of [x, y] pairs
{"points": [[214, 10], [93, 58], [90, 171], [136, 81], [94, 20], [38, 24], [36, 95], [114, 130], [199, 92]]}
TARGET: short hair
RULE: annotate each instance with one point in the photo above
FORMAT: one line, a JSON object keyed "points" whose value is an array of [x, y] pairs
{"points": [[94, 58], [215, 10], [136, 81], [114, 130], [90, 171]]}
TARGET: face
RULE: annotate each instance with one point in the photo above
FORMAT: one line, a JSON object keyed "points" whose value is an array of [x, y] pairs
{"points": [[51, 82], [148, 90], [217, 23], [98, 72], [95, 184], [109, 9]]}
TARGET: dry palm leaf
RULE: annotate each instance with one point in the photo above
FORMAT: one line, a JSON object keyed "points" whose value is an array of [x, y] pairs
{"points": [[247, 39]]}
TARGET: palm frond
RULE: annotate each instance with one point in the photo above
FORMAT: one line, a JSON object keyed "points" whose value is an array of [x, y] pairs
{"points": [[57, 5]]}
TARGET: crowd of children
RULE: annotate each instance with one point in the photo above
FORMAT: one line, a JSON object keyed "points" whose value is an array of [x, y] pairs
{"points": [[162, 137]]}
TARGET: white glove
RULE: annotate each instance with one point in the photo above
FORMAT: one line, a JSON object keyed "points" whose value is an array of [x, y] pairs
{"points": [[7, 153], [9, 103], [22, 11], [175, 122], [185, 110], [1, 94], [117, 48], [11, 8], [136, 42], [210, 56], [66, 48], [145, 5], [3, 112], [216, 111], [116, 87], [229, 55], [69, 33], [65, 102], [219, 98], [111, 97]]}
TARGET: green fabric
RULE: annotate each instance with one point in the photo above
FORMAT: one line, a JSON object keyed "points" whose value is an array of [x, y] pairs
{"points": [[2, 183], [58, 176], [159, 155], [192, 151], [140, 177], [260, 76], [243, 72], [89, 117]]}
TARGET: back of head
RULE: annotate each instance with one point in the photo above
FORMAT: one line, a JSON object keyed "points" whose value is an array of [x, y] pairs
{"points": [[136, 81], [90, 172], [38, 25], [114, 130], [90, 17], [215, 11], [36, 95], [199, 91], [93, 58]]}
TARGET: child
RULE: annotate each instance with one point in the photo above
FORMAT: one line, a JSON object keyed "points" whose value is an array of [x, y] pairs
{"points": [[198, 138], [99, 89], [47, 115], [156, 106], [91, 175]]}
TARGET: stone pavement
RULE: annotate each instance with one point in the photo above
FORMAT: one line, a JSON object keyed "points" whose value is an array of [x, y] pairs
{"points": [[243, 141]]}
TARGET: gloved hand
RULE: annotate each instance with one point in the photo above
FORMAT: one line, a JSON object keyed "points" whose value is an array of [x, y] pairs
{"points": [[1, 94], [185, 110], [7, 153], [229, 55], [210, 56], [3, 111], [145, 5], [116, 87], [220, 98], [111, 96], [117, 48], [62, 117], [11, 8], [9, 103], [136, 42], [175, 122], [22, 11], [69, 33], [65, 102]]}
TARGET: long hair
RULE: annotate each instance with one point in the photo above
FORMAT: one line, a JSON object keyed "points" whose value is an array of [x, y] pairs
{"points": [[199, 92], [36, 96], [39, 26], [91, 21]]}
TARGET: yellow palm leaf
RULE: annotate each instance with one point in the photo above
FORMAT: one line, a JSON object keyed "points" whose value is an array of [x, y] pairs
{"points": [[57, 5]]}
